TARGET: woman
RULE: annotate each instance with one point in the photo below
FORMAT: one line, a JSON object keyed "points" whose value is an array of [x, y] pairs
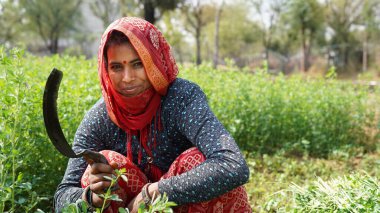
{"points": [[159, 127]]}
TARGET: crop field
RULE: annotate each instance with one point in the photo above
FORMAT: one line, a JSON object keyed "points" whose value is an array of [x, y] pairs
{"points": [[312, 144]]}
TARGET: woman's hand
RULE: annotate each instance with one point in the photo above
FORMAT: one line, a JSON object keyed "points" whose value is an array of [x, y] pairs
{"points": [[98, 184], [133, 206]]}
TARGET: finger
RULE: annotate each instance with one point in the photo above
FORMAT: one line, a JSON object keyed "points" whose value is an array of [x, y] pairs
{"points": [[100, 187], [94, 178], [88, 160], [101, 168], [114, 165]]}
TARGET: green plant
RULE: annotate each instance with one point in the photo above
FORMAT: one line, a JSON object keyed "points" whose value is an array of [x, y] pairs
{"points": [[298, 115], [271, 175], [81, 206], [16, 192], [159, 204], [78, 207], [108, 195], [352, 193]]}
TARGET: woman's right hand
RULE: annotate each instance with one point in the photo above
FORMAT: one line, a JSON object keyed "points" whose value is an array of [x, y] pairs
{"points": [[99, 184]]}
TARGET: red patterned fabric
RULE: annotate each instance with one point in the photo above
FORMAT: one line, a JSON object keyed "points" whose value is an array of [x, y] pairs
{"points": [[232, 201], [135, 114]]}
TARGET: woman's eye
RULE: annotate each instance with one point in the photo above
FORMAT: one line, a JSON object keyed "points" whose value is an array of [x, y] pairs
{"points": [[116, 67], [138, 64]]}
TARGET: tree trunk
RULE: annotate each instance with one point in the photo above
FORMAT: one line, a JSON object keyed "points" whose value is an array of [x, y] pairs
{"points": [[53, 47], [217, 22], [149, 11], [304, 59], [198, 44], [346, 56], [365, 54], [266, 52]]}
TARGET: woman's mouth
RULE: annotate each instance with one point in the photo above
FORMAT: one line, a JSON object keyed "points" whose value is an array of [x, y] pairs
{"points": [[128, 91]]}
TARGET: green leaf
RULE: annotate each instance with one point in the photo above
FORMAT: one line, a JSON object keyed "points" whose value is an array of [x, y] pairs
{"points": [[141, 208], [21, 200], [108, 178], [124, 178], [123, 210], [115, 197], [19, 177]]}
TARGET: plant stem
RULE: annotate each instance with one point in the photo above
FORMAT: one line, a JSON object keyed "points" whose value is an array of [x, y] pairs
{"points": [[108, 193], [13, 145]]}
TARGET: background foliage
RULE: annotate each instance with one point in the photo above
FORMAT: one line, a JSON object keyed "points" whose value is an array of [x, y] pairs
{"points": [[291, 35], [266, 114], [299, 115]]}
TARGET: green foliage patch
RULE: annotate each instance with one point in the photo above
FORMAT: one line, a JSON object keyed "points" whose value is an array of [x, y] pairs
{"points": [[31, 168], [272, 178], [265, 114], [353, 193]]}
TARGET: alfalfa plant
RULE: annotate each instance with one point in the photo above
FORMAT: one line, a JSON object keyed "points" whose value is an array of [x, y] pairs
{"points": [[81, 207], [16, 194], [353, 193], [159, 204]]}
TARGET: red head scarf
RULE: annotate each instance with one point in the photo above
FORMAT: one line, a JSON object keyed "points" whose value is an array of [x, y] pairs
{"points": [[135, 114]]}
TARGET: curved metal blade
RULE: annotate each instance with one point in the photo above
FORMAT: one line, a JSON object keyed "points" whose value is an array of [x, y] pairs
{"points": [[52, 124], [53, 127]]}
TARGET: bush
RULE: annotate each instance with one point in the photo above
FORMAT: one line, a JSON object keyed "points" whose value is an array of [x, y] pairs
{"points": [[31, 168], [353, 193], [300, 116]]}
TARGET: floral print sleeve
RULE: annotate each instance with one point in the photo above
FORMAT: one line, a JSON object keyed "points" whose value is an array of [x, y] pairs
{"points": [[224, 168]]}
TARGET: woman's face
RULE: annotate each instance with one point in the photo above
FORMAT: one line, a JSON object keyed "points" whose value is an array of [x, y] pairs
{"points": [[126, 70]]}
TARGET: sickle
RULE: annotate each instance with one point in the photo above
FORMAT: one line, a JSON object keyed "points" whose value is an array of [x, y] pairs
{"points": [[53, 127]]}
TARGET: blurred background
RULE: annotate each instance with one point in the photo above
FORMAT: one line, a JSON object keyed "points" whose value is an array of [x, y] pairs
{"points": [[307, 36]]}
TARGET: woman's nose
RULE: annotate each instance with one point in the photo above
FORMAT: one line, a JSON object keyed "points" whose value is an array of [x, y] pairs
{"points": [[128, 75]]}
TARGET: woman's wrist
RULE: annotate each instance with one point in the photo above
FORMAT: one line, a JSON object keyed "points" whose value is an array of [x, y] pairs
{"points": [[149, 192], [153, 190], [146, 197]]}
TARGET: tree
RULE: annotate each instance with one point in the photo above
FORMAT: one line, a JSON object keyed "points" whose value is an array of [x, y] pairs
{"points": [[267, 26], [151, 10], [51, 20], [306, 17], [10, 19], [105, 10], [342, 16], [196, 19], [371, 27], [174, 35], [239, 35], [216, 38], [150, 7]]}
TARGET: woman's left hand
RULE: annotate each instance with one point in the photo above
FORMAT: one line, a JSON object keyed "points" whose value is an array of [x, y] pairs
{"points": [[133, 206]]}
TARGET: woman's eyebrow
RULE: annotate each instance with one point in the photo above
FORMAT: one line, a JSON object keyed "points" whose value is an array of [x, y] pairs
{"points": [[130, 62], [114, 63], [134, 60]]}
